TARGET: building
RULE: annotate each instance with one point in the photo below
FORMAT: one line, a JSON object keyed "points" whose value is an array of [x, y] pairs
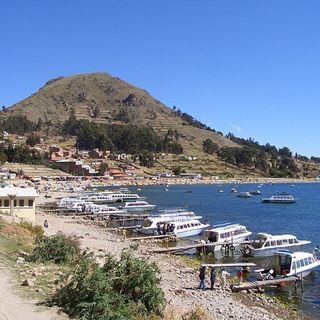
{"points": [[75, 167], [18, 202]]}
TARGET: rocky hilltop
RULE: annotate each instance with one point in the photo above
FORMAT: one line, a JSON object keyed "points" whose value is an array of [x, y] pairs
{"points": [[102, 98]]}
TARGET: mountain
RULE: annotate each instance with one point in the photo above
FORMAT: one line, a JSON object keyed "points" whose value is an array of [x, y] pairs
{"points": [[104, 99], [101, 98]]}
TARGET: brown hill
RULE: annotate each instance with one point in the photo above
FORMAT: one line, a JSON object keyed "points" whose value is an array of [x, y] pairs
{"points": [[101, 98]]}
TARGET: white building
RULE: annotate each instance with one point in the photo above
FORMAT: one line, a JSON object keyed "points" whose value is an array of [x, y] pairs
{"points": [[18, 202]]}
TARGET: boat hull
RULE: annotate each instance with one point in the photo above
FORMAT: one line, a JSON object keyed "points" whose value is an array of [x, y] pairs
{"points": [[265, 252], [191, 232]]}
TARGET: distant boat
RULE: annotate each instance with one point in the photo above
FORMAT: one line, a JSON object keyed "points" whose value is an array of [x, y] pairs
{"points": [[233, 190], [282, 197], [166, 189], [255, 193], [244, 194], [187, 191], [220, 191]]}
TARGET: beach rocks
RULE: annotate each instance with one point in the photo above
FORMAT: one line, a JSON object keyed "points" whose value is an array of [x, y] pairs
{"points": [[27, 283]]}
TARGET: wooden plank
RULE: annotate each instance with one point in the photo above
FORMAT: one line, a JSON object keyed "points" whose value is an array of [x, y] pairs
{"points": [[263, 283], [240, 264], [193, 246], [153, 237]]}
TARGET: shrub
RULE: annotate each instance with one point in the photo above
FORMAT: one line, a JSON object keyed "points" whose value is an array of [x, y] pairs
{"points": [[36, 230], [58, 249], [126, 289]]}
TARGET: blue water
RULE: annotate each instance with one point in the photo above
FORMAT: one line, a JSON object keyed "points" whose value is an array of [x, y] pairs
{"points": [[300, 219]]}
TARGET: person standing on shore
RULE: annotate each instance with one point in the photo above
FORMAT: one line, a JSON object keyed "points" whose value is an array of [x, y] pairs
{"points": [[224, 275], [240, 275], [212, 278], [45, 223], [202, 277]]}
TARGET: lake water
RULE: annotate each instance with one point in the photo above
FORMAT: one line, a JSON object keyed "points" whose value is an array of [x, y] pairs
{"points": [[300, 219]]}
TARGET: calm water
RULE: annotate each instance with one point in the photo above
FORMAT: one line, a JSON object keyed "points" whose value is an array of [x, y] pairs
{"points": [[300, 219]]}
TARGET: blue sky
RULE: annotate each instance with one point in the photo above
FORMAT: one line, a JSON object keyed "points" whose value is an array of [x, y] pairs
{"points": [[247, 67]]}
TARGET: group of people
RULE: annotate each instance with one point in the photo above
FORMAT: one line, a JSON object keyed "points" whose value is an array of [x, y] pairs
{"points": [[163, 229], [213, 276]]}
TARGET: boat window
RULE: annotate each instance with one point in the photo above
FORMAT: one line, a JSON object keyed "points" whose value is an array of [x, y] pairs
{"points": [[298, 264], [222, 235], [279, 242], [290, 241], [301, 263], [267, 244], [295, 241], [188, 225], [185, 226], [294, 265], [192, 224], [306, 261], [310, 260], [273, 243], [147, 223], [285, 242]]}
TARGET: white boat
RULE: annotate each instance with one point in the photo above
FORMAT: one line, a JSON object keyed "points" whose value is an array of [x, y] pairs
{"points": [[286, 263], [189, 228], [138, 206], [230, 233], [245, 194], [107, 197], [266, 244], [152, 224], [255, 192], [107, 211], [282, 197]]}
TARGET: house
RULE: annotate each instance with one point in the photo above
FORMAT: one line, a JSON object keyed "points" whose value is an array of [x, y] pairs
{"points": [[58, 153], [18, 202], [75, 167]]}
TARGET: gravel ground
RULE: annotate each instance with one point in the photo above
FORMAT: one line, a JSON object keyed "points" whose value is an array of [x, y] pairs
{"points": [[178, 282]]}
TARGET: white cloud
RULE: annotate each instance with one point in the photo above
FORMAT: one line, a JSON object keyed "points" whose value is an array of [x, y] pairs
{"points": [[236, 128]]}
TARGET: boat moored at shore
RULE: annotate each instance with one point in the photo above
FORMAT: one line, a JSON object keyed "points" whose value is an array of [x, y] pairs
{"points": [[286, 264], [229, 233], [266, 244]]}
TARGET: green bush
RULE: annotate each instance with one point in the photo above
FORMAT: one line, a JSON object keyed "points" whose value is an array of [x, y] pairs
{"points": [[58, 248], [36, 230], [124, 289]]}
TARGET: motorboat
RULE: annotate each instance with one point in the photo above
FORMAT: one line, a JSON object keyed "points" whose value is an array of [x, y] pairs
{"points": [[233, 190], [229, 233], [286, 263], [152, 224], [107, 211], [255, 192], [138, 206], [182, 229], [282, 197], [107, 197], [266, 244], [244, 194]]}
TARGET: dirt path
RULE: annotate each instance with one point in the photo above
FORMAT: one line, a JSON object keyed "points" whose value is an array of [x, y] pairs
{"points": [[13, 307]]}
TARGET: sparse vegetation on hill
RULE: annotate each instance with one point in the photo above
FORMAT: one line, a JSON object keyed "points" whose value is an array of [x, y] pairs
{"points": [[268, 159], [120, 138]]}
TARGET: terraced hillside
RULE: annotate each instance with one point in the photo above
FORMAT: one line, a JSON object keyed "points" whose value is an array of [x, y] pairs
{"points": [[101, 98]]}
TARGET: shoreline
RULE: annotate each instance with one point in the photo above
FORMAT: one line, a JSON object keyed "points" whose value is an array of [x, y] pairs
{"points": [[178, 280]]}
